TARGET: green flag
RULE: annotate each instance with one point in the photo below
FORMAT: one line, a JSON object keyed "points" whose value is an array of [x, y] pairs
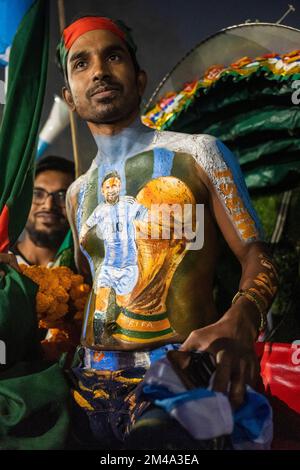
{"points": [[19, 129]]}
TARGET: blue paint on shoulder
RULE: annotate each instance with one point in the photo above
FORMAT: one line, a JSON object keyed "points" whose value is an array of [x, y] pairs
{"points": [[163, 162]]}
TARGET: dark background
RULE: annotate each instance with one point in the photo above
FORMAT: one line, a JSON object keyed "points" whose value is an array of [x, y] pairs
{"points": [[164, 30]]}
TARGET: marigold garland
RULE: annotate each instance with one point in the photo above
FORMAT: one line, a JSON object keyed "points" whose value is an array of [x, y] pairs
{"points": [[62, 294]]}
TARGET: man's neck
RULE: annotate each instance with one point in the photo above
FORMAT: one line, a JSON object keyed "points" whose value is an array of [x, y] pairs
{"points": [[34, 254], [114, 128], [122, 142]]}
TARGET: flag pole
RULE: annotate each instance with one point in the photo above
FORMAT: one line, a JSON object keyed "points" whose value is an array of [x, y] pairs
{"points": [[62, 25]]}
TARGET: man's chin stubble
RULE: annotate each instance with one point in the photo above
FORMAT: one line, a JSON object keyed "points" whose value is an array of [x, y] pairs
{"points": [[44, 239], [107, 112], [108, 116]]}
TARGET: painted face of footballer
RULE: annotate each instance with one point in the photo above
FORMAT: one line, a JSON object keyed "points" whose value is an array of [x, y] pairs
{"points": [[111, 190]]}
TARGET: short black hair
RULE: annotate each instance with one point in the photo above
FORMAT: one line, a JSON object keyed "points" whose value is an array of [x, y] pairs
{"points": [[113, 174], [54, 163]]}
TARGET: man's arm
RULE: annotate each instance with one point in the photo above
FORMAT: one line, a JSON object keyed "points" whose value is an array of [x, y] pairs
{"points": [[232, 338]]}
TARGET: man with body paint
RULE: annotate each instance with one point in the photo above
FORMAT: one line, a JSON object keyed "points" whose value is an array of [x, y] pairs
{"points": [[171, 304]]}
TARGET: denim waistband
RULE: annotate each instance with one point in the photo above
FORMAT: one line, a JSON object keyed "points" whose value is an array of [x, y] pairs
{"points": [[120, 360]]}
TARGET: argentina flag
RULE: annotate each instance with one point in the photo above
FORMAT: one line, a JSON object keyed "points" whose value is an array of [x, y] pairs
{"points": [[206, 414]]}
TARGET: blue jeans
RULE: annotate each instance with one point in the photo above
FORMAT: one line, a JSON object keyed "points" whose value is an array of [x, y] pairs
{"points": [[110, 410]]}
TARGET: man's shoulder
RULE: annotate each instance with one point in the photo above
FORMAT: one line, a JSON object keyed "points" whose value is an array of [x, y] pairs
{"points": [[181, 141], [206, 149]]}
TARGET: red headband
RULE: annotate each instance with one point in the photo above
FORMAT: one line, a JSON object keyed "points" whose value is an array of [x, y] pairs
{"points": [[83, 25]]}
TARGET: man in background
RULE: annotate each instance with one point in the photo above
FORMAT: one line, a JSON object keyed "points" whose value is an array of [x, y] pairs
{"points": [[47, 223]]}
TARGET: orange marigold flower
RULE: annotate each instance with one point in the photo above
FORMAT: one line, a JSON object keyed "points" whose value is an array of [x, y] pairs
{"points": [[43, 302], [33, 272], [79, 291], [56, 334], [53, 282], [62, 271], [76, 280], [64, 274], [66, 282], [62, 309], [53, 309], [80, 303], [61, 295], [57, 287], [75, 292], [85, 288]]}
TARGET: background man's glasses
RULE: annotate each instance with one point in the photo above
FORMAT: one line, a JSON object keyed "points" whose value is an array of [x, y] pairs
{"points": [[40, 196]]}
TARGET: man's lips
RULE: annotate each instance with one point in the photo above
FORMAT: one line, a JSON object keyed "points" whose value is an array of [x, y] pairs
{"points": [[48, 217], [105, 92]]}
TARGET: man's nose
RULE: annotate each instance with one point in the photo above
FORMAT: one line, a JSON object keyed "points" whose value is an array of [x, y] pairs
{"points": [[49, 202], [100, 68]]}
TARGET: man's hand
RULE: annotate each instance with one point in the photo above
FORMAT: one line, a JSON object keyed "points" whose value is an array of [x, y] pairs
{"points": [[11, 260], [231, 341]]}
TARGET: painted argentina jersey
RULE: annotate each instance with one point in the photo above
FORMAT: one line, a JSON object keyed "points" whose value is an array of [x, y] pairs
{"points": [[147, 230]]}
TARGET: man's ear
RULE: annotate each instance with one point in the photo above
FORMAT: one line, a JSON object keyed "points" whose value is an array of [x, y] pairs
{"points": [[67, 96], [141, 82]]}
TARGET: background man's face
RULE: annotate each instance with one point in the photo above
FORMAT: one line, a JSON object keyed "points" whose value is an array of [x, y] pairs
{"points": [[111, 190], [103, 82], [47, 222]]}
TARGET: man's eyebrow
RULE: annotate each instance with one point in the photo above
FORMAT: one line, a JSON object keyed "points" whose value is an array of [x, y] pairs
{"points": [[113, 48], [78, 55], [43, 189], [107, 50]]}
